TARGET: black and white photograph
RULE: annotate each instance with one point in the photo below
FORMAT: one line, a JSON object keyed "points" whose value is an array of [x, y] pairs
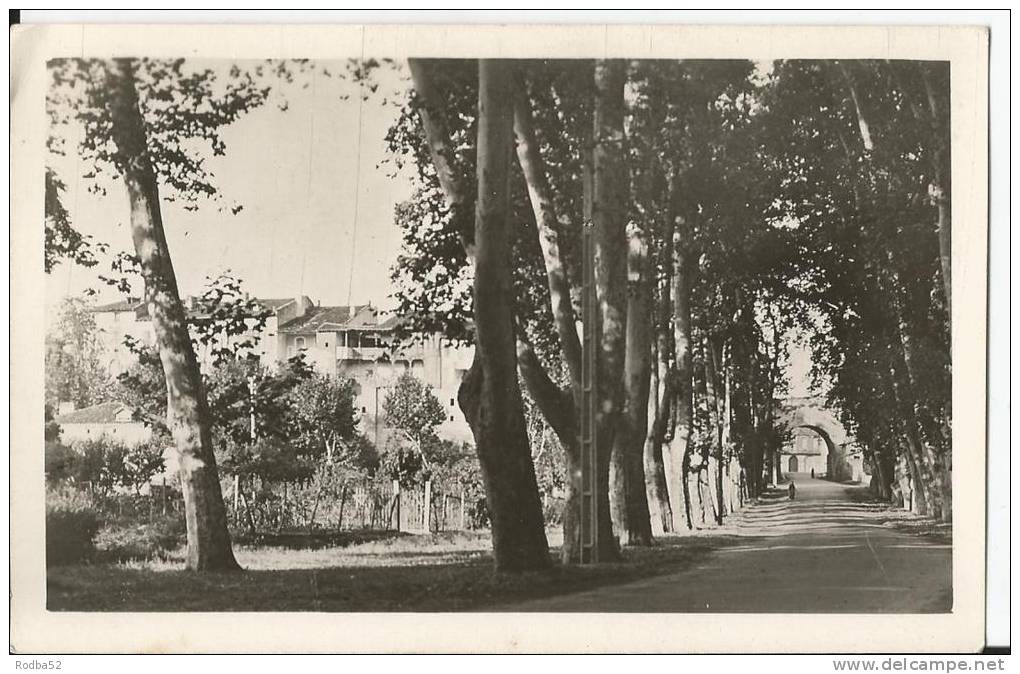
{"points": [[450, 334]]}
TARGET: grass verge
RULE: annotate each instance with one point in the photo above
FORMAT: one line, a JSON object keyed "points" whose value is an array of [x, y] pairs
{"points": [[447, 572]]}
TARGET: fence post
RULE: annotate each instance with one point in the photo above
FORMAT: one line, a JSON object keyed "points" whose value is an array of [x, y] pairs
{"points": [[462, 528], [426, 519], [396, 501]]}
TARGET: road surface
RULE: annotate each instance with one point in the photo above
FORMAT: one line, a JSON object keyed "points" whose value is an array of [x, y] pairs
{"points": [[821, 553]]}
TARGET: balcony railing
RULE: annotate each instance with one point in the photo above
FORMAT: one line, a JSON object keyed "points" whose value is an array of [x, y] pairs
{"points": [[359, 352]]}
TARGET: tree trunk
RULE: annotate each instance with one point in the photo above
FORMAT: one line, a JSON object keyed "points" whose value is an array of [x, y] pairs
{"points": [[862, 121], [609, 197], [208, 540], [685, 485], [489, 394], [459, 197], [911, 445], [631, 517], [562, 417], [883, 474], [678, 449], [659, 403], [558, 408], [941, 193], [934, 463], [549, 230], [940, 189], [712, 397]]}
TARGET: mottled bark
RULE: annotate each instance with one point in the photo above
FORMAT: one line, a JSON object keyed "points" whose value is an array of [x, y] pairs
{"points": [[208, 541], [549, 233], [628, 497], [677, 452], [935, 463], [940, 188], [685, 486], [549, 230], [712, 360], [660, 394], [609, 196], [489, 395], [559, 409], [941, 194], [911, 443]]}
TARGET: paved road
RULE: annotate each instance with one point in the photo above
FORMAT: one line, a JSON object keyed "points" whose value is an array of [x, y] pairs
{"points": [[821, 553]]}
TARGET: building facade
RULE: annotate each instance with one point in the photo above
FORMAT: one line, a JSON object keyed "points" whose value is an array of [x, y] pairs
{"points": [[355, 342], [110, 420], [819, 441], [806, 452]]}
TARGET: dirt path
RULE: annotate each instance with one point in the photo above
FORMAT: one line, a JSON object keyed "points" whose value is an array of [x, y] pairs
{"points": [[825, 552]]}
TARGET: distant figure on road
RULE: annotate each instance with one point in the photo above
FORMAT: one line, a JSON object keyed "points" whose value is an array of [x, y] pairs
{"points": [[793, 491], [812, 473]]}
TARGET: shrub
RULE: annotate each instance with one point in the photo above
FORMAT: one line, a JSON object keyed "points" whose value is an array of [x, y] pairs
{"points": [[99, 462], [142, 462], [125, 540], [71, 526], [60, 462]]}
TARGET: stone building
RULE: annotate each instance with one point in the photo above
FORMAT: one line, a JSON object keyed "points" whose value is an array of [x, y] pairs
{"points": [[819, 441], [356, 342], [805, 452], [111, 420]]}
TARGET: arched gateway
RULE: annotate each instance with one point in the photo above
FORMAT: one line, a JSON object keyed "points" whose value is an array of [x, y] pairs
{"points": [[818, 441]]}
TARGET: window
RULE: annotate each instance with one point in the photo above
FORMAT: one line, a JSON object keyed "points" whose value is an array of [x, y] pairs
{"points": [[299, 343]]}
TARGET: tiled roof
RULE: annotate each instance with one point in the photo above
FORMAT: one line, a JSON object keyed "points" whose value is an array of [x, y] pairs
{"points": [[139, 307], [364, 317], [275, 303], [129, 304], [103, 413], [329, 319], [391, 322], [315, 319]]}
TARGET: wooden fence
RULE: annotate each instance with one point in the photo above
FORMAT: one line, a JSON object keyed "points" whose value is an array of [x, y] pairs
{"points": [[356, 504]]}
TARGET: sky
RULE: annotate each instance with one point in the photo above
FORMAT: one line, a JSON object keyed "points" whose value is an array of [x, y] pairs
{"points": [[317, 214]]}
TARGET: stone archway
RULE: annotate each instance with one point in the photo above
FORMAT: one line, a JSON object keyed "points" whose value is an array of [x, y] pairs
{"points": [[842, 461]]}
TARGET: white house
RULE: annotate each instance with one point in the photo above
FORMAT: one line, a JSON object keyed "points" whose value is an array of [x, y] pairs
{"points": [[112, 420], [356, 342]]}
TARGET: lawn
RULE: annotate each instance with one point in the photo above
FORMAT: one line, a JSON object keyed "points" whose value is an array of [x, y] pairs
{"points": [[401, 572]]}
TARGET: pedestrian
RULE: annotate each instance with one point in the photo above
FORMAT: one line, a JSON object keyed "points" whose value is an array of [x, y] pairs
{"points": [[793, 490], [812, 473]]}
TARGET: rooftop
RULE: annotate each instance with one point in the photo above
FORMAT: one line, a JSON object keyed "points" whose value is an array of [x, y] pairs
{"points": [[103, 413], [333, 319], [315, 318], [130, 304], [275, 304]]}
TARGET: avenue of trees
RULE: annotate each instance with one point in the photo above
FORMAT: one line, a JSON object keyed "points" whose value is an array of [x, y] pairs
{"points": [[730, 206], [730, 203]]}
